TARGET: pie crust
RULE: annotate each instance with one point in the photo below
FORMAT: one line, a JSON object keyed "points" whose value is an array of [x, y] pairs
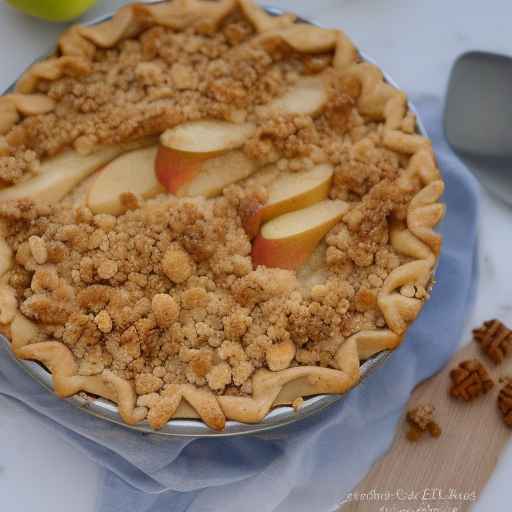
{"points": [[412, 237]]}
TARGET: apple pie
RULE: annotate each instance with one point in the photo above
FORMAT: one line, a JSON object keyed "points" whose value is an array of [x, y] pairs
{"points": [[207, 211]]}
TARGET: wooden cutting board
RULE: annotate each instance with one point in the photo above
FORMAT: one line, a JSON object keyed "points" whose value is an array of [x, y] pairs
{"points": [[456, 465]]}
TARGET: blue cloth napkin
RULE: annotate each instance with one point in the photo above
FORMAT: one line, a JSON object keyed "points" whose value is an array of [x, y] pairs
{"points": [[311, 465]]}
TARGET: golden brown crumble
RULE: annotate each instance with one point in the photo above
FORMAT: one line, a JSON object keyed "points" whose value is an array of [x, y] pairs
{"points": [[170, 288], [104, 322], [165, 310], [147, 84], [298, 403]]}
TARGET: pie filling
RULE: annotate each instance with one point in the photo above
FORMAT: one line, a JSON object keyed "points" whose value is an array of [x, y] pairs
{"points": [[206, 211]]}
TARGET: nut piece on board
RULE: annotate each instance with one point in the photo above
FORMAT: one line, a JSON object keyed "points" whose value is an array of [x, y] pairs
{"points": [[470, 380], [495, 339], [505, 403], [421, 420]]}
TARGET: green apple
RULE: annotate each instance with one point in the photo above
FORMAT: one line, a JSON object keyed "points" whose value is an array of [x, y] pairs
{"points": [[53, 10]]}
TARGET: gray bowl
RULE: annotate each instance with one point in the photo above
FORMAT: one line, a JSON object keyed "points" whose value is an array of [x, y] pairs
{"points": [[277, 417]]}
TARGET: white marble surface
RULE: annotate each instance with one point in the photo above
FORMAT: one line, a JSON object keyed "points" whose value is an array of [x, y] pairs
{"points": [[416, 41]]}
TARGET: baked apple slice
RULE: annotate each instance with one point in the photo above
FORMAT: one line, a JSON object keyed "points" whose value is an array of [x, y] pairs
{"points": [[289, 192], [307, 97], [289, 240], [60, 174], [217, 173], [132, 172], [186, 148]]}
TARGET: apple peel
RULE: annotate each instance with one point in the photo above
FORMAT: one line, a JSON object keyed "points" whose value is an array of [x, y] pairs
{"points": [[289, 192], [289, 240]]}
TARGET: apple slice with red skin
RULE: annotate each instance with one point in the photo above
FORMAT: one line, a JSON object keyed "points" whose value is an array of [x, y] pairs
{"points": [[289, 240], [185, 149], [289, 192], [174, 169]]}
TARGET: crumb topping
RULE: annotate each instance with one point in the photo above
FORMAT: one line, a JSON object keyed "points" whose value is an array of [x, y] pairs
{"points": [[169, 290]]}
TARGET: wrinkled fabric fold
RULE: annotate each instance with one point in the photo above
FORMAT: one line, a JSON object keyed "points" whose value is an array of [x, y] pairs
{"points": [[310, 465]]}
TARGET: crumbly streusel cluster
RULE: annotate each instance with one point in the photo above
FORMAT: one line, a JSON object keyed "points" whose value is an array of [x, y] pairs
{"points": [[156, 81], [167, 293]]}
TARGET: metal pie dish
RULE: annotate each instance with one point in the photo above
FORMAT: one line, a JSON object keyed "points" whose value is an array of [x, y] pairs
{"points": [[278, 416]]}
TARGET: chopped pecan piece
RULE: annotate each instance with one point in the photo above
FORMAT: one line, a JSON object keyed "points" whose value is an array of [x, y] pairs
{"points": [[495, 339], [421, 420], [505, 403], [470, 380]]}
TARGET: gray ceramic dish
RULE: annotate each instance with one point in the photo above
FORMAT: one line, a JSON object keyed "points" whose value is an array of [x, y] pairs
{"points": [[277, 417]]}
